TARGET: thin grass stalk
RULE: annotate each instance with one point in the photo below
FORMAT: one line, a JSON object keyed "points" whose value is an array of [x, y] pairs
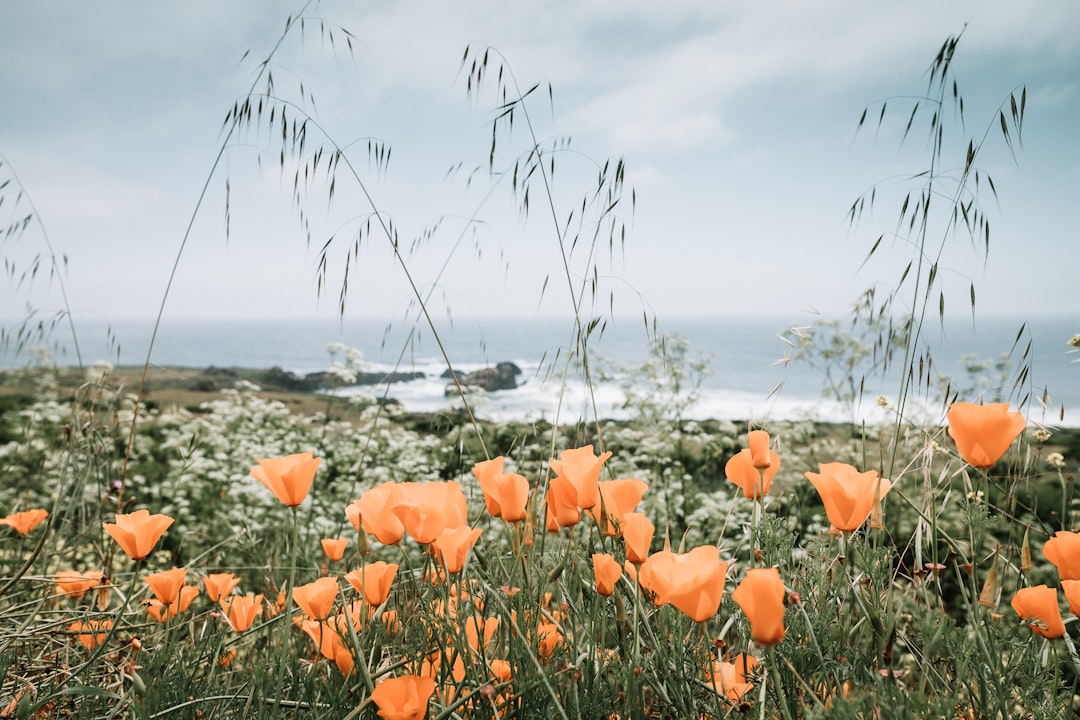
{"points": [[287, 611], [263, 68]]}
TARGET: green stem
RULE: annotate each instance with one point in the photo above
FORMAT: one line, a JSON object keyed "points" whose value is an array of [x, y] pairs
{"points": [[780, 697], [287, 611]]}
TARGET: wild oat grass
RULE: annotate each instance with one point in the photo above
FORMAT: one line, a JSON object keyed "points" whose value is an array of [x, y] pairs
{"points": [[383, 565]]}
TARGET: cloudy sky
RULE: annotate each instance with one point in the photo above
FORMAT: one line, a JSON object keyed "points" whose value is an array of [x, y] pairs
{"points": [[736, 122]]}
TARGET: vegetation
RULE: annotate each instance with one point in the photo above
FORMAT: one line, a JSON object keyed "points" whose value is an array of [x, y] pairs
{"points": [[226, 557]]}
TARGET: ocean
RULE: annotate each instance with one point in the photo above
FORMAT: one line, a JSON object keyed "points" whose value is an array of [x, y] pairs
{"points": [[746, 375]]}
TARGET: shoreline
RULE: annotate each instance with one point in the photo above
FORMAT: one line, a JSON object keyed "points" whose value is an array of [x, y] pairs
{"points": [[189, 387]]}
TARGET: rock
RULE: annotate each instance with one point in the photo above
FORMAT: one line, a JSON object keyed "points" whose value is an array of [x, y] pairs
{"points": [[275, 377], [394, 377], [325, 380], [501, 377]]}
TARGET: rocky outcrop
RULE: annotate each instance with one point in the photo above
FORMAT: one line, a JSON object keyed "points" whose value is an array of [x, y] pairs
{"points": [[501, 377], [324, 380]]}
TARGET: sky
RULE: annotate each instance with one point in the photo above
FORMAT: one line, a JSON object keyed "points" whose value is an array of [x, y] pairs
{"points": [[736, 123]]}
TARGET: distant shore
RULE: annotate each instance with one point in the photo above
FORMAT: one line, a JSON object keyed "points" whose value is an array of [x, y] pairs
{"points": [[190, 387]]}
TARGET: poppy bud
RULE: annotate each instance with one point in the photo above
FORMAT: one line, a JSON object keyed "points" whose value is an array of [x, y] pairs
{"points": [[758, 440]]}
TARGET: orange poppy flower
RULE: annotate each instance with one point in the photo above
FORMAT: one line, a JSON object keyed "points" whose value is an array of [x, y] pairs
{"points": [[1072, 594], [501, 670], [477, 628], [330, 645], [550, 637], [758, 442], [693, 582], [76, 584], [562, 507], [849, 496], [1038, 607], [1064, 551], [90, 633], [166, 584], [334, 548], [426, 509], [137, 533], [316, 598], [637, 533], [389, 619], [983, 432], [272, 609], [25, 521], [505, 494], [403, 698], [349, 619], [581, 469], [761, 597], [289, 478], [452, 546], [219, 585], [607, 572], [617, 497], [240, 611], [227, 657], [324, 636], [373, 581], [164, 611], [754, 481], [372, 513], [732, 679]]}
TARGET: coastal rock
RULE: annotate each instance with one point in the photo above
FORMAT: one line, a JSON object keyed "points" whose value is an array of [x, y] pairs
{"points": [[394, 377], [275, 377], [325, 380], [501, 377]]}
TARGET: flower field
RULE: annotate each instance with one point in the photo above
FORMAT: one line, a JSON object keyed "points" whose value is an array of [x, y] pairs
{"points": [[256, 563], [234, 559]]}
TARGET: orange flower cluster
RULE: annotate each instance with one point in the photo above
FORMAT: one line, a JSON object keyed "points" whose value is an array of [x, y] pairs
{"points": [[171, 595], [575, 487], [1038, 606], [506, 495], [432, 513]]}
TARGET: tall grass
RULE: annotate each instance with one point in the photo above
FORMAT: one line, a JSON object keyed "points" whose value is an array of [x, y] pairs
{"points": [[768, 598]]}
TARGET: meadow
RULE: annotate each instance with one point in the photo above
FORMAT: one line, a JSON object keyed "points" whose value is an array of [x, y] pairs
{"points": [[234, 558]]}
